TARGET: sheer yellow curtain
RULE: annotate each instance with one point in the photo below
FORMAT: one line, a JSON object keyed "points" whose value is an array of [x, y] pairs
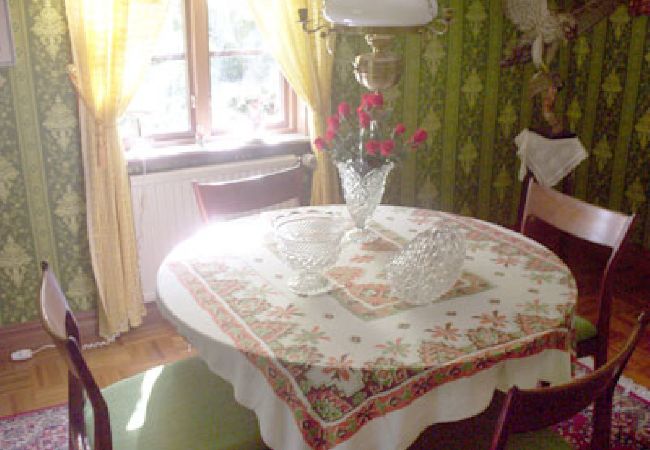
{"points": [[112, 41], [307, 66]]}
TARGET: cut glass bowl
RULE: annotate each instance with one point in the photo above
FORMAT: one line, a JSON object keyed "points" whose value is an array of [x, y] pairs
{"points": [[428, 266], [309, 243]]}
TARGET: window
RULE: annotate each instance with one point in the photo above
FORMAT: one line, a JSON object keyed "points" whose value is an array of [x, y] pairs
{"points": [[210, 76]]}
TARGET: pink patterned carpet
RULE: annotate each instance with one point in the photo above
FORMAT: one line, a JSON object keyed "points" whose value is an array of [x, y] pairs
{"points": [[47, 429], [43, 429], [630, 421]]}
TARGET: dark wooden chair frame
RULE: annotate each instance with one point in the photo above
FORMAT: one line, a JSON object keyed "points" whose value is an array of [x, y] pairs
{"points": [[526, 410], [223, 199], [61, 325], [592, 224]]}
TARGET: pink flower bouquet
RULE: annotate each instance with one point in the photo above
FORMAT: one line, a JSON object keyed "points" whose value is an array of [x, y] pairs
{"points": [[366, 137]]}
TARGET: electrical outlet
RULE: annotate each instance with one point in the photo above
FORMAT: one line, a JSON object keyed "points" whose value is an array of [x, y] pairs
{"points": [[22, 354]]}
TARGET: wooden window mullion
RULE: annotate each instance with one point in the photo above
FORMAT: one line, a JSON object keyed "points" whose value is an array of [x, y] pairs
{"points": [[199, 63]]}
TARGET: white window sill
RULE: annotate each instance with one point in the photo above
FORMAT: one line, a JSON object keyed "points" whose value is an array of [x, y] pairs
{"points": [[179, 156]]}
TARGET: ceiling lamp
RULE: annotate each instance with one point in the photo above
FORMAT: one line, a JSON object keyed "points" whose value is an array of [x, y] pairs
{"points": [[380, 21], [380, 13]]}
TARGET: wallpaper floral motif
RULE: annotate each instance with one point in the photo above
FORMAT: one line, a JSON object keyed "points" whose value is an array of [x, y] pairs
{"points": [[473, 109], [452, 86], [41, 177]]}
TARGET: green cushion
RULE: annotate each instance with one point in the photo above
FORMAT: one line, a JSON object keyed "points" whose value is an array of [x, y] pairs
{"points": [[476, 433], [479, 438], [178, 406], [539, 440], [584, 329]]}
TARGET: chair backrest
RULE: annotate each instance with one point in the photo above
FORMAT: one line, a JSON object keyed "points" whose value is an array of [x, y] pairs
{"points": [[62, 327], [527, 410], [580, 219], [228, 199], [584, 221]]}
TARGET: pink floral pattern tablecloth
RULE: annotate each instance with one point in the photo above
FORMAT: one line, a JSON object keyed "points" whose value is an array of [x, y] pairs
{"points": [[340, 360]]}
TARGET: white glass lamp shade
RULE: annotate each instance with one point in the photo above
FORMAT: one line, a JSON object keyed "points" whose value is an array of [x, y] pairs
{"points": [[380, 13]]}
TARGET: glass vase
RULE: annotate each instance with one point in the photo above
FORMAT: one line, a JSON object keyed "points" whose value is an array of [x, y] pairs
{"points": [[363, 188]]}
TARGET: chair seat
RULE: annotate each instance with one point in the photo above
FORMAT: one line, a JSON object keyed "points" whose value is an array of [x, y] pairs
{"points": [[545, 439], [584, 329], [182, 405], [476, 433], [480, 440]]}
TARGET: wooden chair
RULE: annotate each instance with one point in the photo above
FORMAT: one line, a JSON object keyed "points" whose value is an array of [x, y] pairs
{"points": [[527, 410], [520, 419], [588, 223], [176, 406], [224, 200]]}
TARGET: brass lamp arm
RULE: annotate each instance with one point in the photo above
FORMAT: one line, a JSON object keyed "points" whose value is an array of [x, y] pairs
{"points": [[303, 19]]}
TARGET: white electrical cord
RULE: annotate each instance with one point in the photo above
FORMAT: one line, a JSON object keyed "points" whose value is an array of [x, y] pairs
{"points": [[27, 353]]}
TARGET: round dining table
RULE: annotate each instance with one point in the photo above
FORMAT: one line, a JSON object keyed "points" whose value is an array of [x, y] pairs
{"points": [[357, 367]]}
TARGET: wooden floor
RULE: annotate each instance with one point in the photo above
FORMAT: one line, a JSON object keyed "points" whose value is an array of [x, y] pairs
{"points": [[42, 381]]}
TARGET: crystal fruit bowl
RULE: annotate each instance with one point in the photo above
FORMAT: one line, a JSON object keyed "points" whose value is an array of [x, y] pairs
{"points": [[309, 242]]}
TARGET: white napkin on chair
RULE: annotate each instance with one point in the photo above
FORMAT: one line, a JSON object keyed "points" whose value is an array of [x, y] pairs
{"points": [[549, 160]]}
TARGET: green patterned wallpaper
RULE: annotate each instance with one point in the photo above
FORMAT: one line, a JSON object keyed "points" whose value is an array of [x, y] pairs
{"points": [[453, 87], [41, 177]]}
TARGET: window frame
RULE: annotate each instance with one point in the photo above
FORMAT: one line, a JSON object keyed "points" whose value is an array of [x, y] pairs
{"points": [[199, 89]]}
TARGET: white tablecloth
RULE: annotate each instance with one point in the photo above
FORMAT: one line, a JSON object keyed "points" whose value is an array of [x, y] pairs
{"points": [[357, 368]]}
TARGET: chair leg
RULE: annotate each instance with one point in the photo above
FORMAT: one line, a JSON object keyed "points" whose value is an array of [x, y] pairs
{"points": [[600, 355], [602, 422]]}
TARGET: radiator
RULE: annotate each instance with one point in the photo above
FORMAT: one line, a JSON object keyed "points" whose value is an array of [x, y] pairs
{"points": [[165, 210]]}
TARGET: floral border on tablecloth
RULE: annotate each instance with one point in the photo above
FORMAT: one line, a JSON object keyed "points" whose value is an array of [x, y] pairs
{"points": [[394, 388]]}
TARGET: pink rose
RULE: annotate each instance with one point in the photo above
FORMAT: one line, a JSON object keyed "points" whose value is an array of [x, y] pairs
{"points": [[372, 146], [377, 100], [364, 119], [344, 109], [330, 135], [387, 147], [366, 100], [333, 123], [418, 137], [320, 143], [400, 128]]}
